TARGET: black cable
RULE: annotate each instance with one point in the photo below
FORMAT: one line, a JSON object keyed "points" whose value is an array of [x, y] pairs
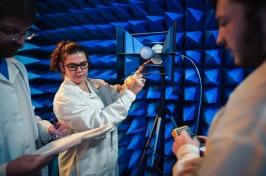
{"points": [[200, 96]]}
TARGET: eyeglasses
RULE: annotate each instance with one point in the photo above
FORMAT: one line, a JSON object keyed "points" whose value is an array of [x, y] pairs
{"points": [[74, 67], [28, 35], [15, 36]]}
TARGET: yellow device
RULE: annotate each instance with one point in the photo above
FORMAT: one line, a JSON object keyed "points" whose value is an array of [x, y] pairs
{"points": [[177, 131]]}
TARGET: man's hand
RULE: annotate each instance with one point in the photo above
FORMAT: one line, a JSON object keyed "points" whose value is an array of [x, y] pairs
{"points": [[182, 139], [60, 129], [202, 139], [28, 165]]}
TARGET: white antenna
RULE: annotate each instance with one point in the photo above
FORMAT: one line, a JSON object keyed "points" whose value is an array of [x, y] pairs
{"points": [[153, 53]]}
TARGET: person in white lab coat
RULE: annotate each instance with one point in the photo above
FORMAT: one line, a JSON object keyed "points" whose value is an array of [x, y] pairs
{"points": [[85, 103], [236, 143], [20, 129]]}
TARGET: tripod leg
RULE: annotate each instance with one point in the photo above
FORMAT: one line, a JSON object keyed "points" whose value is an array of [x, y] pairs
{"points": [[147, 145], [157, 133]]}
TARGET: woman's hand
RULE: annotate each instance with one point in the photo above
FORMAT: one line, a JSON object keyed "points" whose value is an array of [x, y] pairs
{"points": [[136, 83]]}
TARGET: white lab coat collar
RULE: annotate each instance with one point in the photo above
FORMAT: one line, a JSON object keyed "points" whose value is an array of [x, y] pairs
{"points": [[93, 90]]}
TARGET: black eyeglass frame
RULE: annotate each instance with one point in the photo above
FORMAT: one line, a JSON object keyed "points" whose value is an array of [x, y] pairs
{"points": [[15, 36], [82, 66]]}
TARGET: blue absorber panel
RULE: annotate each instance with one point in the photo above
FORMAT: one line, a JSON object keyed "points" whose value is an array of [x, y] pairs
{"points": [[190, 93], [194, 19], [212, 57], [194, 39], [212, 76], [195, 55], [210, 38], [211, 95], [191, 76], [209, 113], [233, 76], [189, 112]]}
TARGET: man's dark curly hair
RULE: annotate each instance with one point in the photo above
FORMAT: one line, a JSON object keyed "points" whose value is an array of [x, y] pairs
{"points": [[22, 9]]}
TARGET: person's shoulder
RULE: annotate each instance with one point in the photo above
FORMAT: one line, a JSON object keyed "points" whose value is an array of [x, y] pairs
{"points": [[17, 63], [98, 82], [20, 66], [66, 90]]}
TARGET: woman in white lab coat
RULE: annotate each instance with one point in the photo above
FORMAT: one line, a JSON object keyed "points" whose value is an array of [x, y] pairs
{"points": [[85, 103]]}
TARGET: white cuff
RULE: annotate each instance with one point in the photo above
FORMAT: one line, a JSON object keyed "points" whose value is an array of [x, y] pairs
{"points": [[131, 96]]}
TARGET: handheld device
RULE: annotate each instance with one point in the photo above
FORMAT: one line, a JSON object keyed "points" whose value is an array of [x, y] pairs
{"points": [[177, 131]]}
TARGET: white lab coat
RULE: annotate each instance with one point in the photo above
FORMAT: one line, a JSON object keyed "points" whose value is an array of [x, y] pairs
{"points": [[83, 111], [238, 133], [20, 128], [236, 143]]}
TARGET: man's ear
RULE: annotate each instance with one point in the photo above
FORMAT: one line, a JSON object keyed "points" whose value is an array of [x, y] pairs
{"points": [[62, 68]]}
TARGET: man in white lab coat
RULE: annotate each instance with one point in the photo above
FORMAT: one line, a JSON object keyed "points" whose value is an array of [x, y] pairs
{"points": [[20, 129], [236, 143]]}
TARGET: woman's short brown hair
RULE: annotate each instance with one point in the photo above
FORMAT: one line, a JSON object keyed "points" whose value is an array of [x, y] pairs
{"points": [[63, 49]]}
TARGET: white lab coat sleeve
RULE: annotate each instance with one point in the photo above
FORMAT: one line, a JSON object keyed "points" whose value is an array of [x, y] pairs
{"points": [[43, 126], [81, 113], [3, 169]]}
